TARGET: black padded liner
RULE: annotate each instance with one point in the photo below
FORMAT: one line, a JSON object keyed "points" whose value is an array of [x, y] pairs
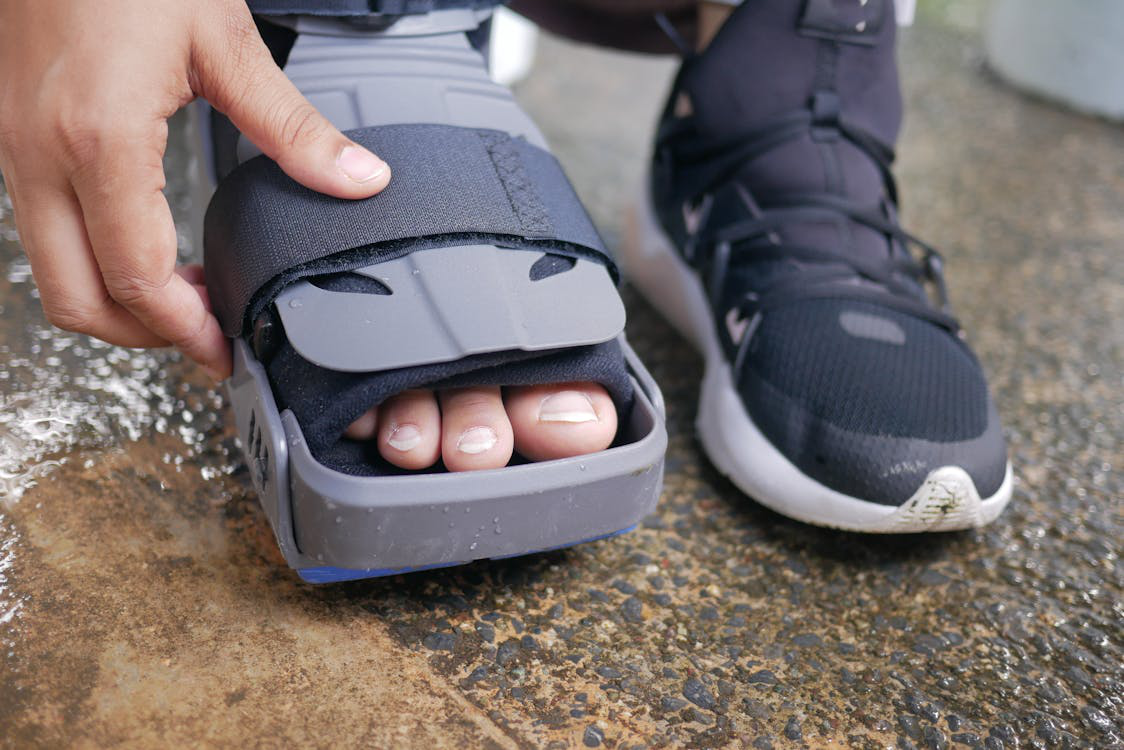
{"points": [[451, 186], [325, 401]]}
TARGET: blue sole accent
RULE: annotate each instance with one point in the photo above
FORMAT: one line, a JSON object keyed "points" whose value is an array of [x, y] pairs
{"points": [[331, 574]]}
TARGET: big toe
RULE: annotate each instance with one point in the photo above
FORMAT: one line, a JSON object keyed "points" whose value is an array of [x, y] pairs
{"points": [[475, 431], [561, 420]]}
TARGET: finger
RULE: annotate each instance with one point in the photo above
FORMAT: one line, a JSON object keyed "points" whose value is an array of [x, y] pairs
{"points": [[475, 431], [203, 297], [70, 284], [133, 238], [239, 77], [410, 430], [192, 273]]}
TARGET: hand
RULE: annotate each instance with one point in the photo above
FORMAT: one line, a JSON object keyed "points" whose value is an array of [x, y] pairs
{"points": [[86, 88]]}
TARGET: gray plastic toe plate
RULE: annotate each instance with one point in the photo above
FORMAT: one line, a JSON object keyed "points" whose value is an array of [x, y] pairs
{"points": [[451, 302]]}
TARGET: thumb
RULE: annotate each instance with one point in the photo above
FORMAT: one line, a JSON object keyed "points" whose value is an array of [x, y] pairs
{"points": [[239, 78]]}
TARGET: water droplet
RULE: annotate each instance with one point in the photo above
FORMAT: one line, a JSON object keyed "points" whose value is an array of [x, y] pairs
{"points": [[295, 303], [496, 519], [472, 546], [445, 509], [499, 530], [339, 519]]}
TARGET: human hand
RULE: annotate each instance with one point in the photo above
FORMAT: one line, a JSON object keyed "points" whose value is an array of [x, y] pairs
{"points": [[86, 88]]}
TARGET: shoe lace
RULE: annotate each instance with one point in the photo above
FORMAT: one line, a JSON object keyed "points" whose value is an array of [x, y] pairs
{"points": [[704, 163]]}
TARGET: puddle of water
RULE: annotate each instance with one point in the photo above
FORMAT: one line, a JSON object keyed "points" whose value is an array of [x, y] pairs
{"points": [[64, 396], [62, 393], [10, 603]]}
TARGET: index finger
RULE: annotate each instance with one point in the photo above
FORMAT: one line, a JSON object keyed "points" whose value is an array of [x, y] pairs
{"points": [[133, 237]]}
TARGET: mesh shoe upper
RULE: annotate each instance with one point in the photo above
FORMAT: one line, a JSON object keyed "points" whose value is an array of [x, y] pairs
{"points": [[868, 401], [777, 189]]}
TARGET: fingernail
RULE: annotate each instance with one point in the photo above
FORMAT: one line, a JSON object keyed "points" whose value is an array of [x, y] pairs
{"points": [[404, 437], [477, 440], [567, 406], [359, 164]]}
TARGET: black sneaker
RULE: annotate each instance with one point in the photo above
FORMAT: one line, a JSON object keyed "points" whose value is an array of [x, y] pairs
{"points": [[835, 391]]}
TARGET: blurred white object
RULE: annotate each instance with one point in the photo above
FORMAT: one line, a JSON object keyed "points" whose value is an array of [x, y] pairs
{"points": [[904, 10], [1072, 52], [512, 49]]}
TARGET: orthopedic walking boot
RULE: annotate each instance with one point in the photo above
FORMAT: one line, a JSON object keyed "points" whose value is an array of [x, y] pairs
{"points": [[476, 266]]}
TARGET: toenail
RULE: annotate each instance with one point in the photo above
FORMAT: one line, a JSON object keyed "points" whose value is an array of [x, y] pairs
{"points": [[477, 440], [404, 437], [567, 406]]}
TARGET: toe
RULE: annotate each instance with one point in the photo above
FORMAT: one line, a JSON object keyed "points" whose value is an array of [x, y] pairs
{"points": [[409, 430], [364, 427], [475, 431], [562, 420]]}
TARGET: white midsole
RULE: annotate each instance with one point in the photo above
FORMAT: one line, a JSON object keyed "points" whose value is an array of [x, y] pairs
{"points": [[947, 500]]}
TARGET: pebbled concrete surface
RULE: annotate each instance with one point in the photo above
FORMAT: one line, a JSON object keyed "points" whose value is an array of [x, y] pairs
{"points": [[142, 600]]}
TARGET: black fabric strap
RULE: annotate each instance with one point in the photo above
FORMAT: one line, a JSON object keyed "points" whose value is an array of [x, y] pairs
{"points": [[450, 186]]}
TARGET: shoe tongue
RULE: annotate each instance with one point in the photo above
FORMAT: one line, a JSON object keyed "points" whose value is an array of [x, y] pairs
{"points": [[759, 67]]}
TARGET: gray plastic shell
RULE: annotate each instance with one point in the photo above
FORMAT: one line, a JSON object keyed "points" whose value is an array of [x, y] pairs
{"points": [[359, 81], [323, 517]]}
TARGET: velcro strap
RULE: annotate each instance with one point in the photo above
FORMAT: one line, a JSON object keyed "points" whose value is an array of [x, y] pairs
{"points": [[450, 186]]}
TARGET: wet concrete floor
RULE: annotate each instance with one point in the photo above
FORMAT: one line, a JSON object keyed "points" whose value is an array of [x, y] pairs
{"points": [[143, 602]]}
